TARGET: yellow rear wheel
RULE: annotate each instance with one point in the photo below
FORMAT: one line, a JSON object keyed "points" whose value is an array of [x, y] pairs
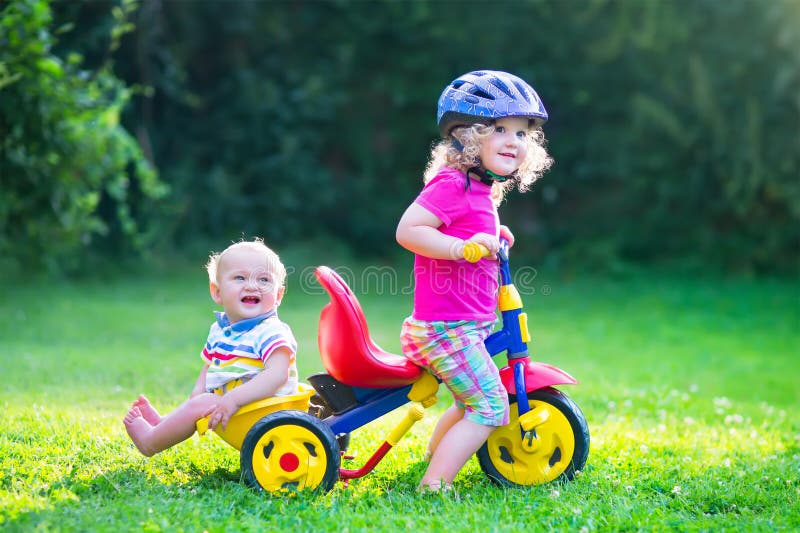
{"points": [[557, 448], [290, 450]]}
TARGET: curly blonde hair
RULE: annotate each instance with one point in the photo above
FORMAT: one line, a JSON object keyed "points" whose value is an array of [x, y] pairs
{"points": [[445, 154]]}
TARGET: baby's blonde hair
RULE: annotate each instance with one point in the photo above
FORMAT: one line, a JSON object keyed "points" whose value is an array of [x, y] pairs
{"points": [[273, 261], [445, 154]]}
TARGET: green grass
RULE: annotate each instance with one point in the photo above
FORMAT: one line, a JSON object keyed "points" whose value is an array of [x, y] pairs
{"points": [[690, 387]]}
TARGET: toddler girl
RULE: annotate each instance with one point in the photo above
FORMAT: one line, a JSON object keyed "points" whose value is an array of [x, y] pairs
{"points": [[491, 122]]}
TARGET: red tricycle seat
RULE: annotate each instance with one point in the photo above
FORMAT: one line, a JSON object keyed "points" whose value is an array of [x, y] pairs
{"points": [[345, 346]]}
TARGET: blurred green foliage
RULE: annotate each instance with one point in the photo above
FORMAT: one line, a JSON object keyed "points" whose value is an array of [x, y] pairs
{"points": [[70, 171], [675, 125]]}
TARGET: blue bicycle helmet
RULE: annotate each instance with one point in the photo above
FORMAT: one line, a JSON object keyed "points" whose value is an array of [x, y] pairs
{"points": [[485, 95]]}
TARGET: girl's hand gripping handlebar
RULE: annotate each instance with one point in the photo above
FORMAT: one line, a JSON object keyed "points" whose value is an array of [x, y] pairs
{"points": [[474, 252]]}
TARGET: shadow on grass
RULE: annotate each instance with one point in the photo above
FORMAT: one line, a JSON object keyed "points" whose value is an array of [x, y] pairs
{"points": [[125, 499], [132, 479]]}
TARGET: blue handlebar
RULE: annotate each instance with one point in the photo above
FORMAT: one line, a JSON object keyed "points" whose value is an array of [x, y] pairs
{"points": [[502, 255]]}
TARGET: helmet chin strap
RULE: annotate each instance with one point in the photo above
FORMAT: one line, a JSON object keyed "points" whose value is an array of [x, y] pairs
{"points": [[487, 177]]}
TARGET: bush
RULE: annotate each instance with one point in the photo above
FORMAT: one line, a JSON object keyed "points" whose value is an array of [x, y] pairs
{"points": [[70, 171]]}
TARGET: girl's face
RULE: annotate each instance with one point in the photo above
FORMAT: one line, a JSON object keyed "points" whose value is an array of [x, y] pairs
{"points": [[246, 285], [504, 150]]}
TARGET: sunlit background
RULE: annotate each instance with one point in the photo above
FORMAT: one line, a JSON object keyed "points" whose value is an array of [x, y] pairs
{"points": [[163, 125]]}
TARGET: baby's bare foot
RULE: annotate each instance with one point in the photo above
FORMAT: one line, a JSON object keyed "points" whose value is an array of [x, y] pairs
{"points": [[149, 412], [138, 430]]}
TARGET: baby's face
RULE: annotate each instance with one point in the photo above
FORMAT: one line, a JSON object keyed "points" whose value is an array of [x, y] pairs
{"points": [[504, 151], [246, 284]]}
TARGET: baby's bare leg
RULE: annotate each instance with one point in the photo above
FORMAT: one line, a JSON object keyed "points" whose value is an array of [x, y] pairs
{"points": [[176, 427], [149, 412]]}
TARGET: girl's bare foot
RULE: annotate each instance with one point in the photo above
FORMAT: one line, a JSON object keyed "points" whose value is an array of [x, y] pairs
{"points": [[138, 430], [425, 488], [149, 412]]}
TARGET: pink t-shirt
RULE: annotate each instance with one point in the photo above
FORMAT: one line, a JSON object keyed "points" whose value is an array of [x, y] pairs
{"points": [[457, 290]]}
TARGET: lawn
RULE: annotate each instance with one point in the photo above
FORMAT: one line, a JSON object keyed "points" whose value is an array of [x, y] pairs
{"points": [[689, 385]]}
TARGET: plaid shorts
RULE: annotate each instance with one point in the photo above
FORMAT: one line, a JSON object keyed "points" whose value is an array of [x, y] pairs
{"points": [[454, 352]]}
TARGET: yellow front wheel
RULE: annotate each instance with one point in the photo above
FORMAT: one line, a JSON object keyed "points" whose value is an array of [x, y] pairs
{"points": [[290, 450], [556, 447]]}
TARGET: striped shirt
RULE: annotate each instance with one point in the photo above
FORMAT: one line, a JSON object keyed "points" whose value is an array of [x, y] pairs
{"points": [[240, 350]]}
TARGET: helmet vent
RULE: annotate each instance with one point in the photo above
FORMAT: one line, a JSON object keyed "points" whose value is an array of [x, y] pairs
{"points": [[480, 93], [502, 86], [523, 91]]}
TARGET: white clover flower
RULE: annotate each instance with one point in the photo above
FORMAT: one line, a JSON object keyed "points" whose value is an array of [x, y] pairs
{"points": [[723, 402], [734, 419]]}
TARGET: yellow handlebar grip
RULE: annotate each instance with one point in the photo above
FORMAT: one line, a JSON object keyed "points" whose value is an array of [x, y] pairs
{"points": [[473, 252]]}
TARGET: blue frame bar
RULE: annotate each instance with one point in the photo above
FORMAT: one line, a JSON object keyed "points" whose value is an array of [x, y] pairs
{"points": [[519, 384], [384, 401]]}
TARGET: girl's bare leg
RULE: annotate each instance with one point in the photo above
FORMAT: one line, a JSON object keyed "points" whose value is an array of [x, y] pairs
{"points": [[149, 412], [176, 427], [453, 451], [452, 415]]}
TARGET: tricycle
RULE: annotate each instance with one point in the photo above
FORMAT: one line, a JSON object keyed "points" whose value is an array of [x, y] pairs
{"points": [[297, 442]]}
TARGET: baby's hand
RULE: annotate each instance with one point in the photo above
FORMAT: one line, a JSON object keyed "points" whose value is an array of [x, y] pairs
{"points": [[222, 413]]}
